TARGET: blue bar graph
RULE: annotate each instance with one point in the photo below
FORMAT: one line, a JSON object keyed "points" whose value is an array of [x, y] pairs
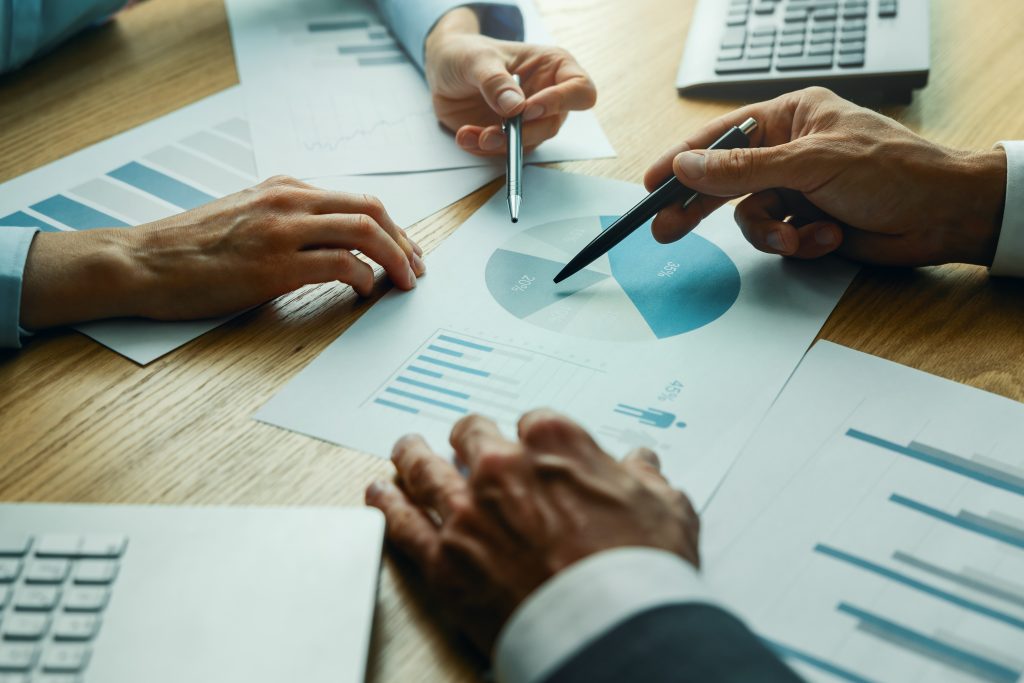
{"points": [[23, 220], [468, 344], [941, 652], [971, 523], [905, 580], [432, 387], [947, 461], [828, 667], [448, 352], [160, 185], [454, 366], [396, 406], [75, 215], [424, 371], [426, 399]]}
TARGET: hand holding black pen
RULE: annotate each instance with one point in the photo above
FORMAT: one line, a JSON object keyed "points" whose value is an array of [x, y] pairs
{"points": [[671, 191]]}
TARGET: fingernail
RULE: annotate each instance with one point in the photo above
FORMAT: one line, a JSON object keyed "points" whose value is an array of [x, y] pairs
{"points": [[412, 277], [534, 111], [825, 237], [470, 141], [509, 100], [491, 143], [691, 164], [379, 488], [418, 264], [416, 248], [774, 241]]}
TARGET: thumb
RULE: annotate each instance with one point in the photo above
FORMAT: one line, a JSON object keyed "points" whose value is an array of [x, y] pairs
{"points": [[734, 172], [498, 88]]}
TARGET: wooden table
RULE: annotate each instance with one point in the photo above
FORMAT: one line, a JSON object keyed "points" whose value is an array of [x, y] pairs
{"points": [[79, 423]]}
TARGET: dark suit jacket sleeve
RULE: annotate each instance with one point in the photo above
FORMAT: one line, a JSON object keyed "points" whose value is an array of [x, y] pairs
{"points": [[679, 643]]}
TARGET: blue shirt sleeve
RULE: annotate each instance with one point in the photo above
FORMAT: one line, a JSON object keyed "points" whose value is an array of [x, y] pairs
{"points": [[29, 28], [412, 20], [14, 245]]}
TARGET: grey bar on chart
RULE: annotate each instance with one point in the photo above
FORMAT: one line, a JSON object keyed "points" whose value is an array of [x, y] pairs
{"points": [[337, 25], [383, 61], [999, 464], [234, 154], [477, 386], [1000, 473], [968, 578], [1000, 657], [1009, 520], [135, 206], [369, 49], [204, 172], [237, 128], [993, 525]]}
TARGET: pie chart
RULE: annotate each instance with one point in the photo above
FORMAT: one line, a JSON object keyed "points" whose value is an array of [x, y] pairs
{"points": [[641, 290]]}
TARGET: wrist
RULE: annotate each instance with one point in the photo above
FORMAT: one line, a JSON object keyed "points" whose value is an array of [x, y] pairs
{"points": [[459, 21], [982, 206], [75, 277]]}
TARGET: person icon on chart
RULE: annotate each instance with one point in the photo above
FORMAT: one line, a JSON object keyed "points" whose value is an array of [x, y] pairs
{"points": [[650, 416]]}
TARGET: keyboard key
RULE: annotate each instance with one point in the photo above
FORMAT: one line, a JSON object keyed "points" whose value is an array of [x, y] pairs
{"points": [[25, 626], [792, 40], [851, 47], [851, 59], [762, 41], [824, 27], [856, 25], [823, 38], [86, 599], [802, 63], [47, 571], [65, 658], [825, 15], [730, 53], [76, 627], [820, 49], [110, 546], [36, 598], [14, 678], [791, 50], [9, 570], [14, 545], [734, 37], [759, 52], [855, 13], [742, 66], [18, 657], [852, 36], [58, 545], [95, 571]]}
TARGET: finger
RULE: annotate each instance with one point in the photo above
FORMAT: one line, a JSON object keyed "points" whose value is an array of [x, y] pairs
{"points": [[492, 139], [735, 172], [328, 265], [545, 431], [360, 231], [818, 239], [475, 436], [761, 219], [428, 480], [491, 76], [676, 221], [329, 202], [410, 530], [573, 92], [644, 463]]}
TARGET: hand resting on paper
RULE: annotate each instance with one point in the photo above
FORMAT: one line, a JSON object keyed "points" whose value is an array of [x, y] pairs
{"points": [[529, 508], [220, 258], [824, 175], [470, 77]]}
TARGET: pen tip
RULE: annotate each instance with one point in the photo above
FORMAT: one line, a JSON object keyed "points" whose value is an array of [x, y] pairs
{"points": [[515, 220]]}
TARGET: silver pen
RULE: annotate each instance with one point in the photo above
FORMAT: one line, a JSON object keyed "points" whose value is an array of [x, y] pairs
{"points": [[513, 129]]}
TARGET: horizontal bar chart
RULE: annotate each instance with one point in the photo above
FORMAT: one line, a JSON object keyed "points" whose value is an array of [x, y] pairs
{"points": [[968, 578], [964, 520]]}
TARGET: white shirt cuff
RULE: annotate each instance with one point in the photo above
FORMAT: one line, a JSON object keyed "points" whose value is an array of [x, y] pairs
{"points": [[14, 246], [1009, 258], [585, 601]]}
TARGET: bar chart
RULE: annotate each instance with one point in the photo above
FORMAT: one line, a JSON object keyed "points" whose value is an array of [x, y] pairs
{"points": [[453, 374], [889, 536]]}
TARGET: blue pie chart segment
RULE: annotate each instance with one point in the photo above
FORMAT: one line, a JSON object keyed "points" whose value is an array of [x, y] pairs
{"points": [[678, 287]]}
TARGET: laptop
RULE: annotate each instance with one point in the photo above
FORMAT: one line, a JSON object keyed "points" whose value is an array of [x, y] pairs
{"points": [[132, 594]]}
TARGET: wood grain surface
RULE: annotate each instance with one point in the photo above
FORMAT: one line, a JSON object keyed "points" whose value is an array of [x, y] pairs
{"points": [[79, 423]]}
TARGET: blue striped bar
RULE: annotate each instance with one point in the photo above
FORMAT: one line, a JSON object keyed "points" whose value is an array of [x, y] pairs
{"points": [[454, 366], [787, 652], [938, 650], [448, 352], [75, 215], [949, 462], [20, 219], [432, 387], [427, 399], [396, 406], [424, 371], [976, 607], [463, 342], [160, 185], [968, 524]]}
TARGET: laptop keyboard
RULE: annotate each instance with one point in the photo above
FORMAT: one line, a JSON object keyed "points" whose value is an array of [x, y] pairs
{"points": [[795, 35], [53, 590]]}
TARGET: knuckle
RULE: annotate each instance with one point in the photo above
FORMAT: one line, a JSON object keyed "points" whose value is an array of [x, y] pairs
{"points": [[373, 205], [817, 92], [736, 165], [366, 226]]}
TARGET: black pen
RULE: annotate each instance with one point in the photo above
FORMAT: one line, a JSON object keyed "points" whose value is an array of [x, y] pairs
{"points": [[670, 192]]}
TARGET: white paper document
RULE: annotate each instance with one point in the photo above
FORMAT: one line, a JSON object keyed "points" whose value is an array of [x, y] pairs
{"points": [[678, 347], [192, 156], [330, 92], [873, 528]]}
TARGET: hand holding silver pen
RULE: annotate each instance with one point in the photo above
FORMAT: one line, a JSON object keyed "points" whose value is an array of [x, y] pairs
{"points": [[514, 163]]}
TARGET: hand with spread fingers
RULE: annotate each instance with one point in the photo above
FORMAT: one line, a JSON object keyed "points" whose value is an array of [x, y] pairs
{"points": [[527, 509], [824, 175], [470, 77]]}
